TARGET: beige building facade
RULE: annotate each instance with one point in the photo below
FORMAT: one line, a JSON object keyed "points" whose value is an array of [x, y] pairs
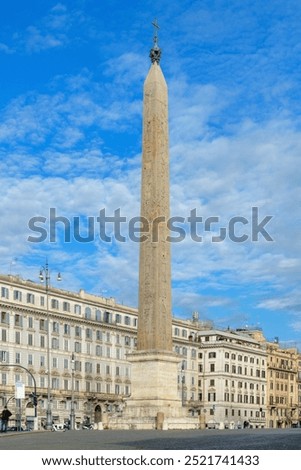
{"points": [[283, 405], [94, 331], [228, 378]]}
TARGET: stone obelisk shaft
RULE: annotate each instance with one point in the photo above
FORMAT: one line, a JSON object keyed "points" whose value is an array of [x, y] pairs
{"points": [[155, 321]]}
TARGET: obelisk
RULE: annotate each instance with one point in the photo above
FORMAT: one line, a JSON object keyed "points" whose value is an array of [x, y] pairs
{"points": [[154, 371], [155, 320]]}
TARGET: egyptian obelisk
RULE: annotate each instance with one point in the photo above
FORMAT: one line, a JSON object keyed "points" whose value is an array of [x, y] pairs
{"points": [[155, 320], [154, 371]]}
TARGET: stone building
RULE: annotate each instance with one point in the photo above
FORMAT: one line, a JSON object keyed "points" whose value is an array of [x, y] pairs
{"points": [[94, 331], [230, 378], [282, 375]]}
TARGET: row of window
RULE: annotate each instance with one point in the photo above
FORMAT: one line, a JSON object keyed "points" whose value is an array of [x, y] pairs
{"points": [[279, 400], [105, 317], [178, 332], [79, 385], [281, 387], [250, 399], [235, 370], [234, 357], [76, 346], [80, 366], [252, 414], [282, 375], [79, 333], [184, 352], [250, 385]]}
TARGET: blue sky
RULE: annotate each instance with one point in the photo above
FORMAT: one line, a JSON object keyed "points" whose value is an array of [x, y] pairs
{"points": [[71, 81]]}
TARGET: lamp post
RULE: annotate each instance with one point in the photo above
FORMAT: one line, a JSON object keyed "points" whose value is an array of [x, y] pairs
{"points": [[72, 413], [183, 382], [45, 276]]}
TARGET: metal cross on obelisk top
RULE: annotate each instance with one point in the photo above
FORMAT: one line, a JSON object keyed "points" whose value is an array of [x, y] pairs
{"points": [[155, 53], [156, 27]]}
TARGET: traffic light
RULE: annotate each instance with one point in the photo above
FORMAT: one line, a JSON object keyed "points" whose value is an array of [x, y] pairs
{"points": [[34, 399]]}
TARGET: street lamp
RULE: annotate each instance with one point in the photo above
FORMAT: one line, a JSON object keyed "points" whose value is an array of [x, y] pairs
{"points": [[183, 382], [72, 413], [45, 276]]}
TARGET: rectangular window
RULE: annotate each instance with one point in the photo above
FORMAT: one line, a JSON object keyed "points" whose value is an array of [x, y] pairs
{"points": [[66, 306], [211, 396], [30, 298], [17, 295], [5, 318], [88, 333], [54, 303], [99, 335], [77, 309], [4, 379], [78, 331], [66, 329], [4, 293], [55, 343], [55, 383], [3, 356]]}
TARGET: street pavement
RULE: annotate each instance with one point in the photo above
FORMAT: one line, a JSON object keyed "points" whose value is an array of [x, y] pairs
{"points": [[244, 439]]}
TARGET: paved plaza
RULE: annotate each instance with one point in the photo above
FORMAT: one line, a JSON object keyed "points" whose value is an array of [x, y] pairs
{"points": [[247, 439]]}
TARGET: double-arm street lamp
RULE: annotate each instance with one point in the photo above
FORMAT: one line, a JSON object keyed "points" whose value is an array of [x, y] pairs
{"points": [[45, 277]]}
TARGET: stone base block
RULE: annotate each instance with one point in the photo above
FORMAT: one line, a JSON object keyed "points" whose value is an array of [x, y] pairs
{"points": [[154, 403], [154, 377]]}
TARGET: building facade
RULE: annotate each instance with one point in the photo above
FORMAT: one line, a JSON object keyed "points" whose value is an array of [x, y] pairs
{"points": [[89, 338], [230, 378], [283, 382]]}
